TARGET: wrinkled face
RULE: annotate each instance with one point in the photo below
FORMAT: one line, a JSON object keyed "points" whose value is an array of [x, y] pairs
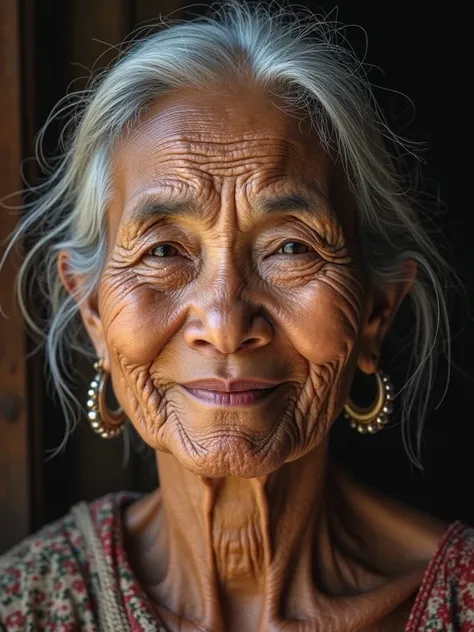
{"points": [[232, 255]]}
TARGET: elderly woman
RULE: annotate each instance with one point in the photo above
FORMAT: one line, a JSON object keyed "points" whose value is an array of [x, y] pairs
{"points": [[229, 226]]}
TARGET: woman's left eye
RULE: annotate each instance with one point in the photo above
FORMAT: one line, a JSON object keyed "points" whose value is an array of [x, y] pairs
{"points": [[294, 248], [164, 250]]}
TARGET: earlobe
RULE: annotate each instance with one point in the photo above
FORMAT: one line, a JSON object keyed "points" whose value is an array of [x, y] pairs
{"points": [[87, 304], [384, 303]]}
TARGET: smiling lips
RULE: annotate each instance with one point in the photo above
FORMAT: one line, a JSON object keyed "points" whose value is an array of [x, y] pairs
{"points": [[243, 392]]}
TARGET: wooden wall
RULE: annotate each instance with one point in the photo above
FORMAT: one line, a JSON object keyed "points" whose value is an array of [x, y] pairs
{"points": [[15, 488]]}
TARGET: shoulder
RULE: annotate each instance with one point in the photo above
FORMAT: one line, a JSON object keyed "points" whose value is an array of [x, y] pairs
{"points": [[42, 576], [456, 569], [446, 597], [45, 580], [454, 562]]}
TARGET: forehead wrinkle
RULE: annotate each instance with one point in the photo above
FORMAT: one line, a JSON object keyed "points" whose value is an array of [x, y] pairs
{"points": [[209, 147], [198, 134], [209, 158], [183, 132]]}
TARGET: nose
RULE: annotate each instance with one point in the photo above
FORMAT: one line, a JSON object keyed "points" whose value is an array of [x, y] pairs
{"points": [[228, 326]]}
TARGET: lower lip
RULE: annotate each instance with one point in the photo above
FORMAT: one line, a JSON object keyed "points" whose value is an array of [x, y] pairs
{"points": [[240, 399]]}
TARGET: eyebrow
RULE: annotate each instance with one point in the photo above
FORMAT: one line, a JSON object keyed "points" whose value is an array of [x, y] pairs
{"points": [[310, 202], [294, 202], [151, 206]]}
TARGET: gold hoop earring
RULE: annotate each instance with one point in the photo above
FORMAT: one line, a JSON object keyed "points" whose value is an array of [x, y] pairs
{"points": [[375, 417], [106, 423]]}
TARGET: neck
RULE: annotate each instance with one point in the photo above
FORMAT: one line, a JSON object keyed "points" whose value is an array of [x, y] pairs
{"points": [[233, 540], [230, 552]]}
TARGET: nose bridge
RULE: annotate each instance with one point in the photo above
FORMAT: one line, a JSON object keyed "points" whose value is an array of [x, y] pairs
{"points": [[227, 277], [225, 266]]}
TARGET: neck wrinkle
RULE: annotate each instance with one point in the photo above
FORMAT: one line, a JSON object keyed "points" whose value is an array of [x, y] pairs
{"points": [[186, 505], [297, 513], [210, 613], [242, 541]]}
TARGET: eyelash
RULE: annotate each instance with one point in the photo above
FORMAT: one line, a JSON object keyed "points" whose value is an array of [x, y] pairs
{"points": [[289, 241]]}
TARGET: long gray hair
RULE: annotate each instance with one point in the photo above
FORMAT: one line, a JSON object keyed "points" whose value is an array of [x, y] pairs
{"points": [[295, 56]]}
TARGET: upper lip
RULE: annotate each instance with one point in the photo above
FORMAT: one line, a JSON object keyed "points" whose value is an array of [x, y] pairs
{"points": [[231, 386]]}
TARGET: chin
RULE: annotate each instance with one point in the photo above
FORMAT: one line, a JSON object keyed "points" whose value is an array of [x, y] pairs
{"points": [[233, 456]]}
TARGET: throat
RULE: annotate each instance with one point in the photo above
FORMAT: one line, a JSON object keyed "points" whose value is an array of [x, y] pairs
{"points": [[235, 547], [239, 534]]}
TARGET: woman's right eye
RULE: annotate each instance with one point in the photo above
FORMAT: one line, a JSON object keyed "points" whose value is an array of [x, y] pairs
{"points": [[163, 250]]}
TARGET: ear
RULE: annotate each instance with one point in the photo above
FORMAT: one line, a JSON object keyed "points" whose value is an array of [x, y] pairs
{"points": [[384, 303], [88, 305]]}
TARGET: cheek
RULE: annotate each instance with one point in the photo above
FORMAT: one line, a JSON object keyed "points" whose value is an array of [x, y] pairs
{"points": [[137, 326], [326, 322]]}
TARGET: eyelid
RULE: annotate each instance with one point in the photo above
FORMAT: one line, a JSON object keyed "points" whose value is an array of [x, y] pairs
{"points": [[279, 241]]}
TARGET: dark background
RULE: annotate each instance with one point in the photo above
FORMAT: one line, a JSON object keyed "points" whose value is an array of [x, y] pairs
{"points": [[417, 50]]}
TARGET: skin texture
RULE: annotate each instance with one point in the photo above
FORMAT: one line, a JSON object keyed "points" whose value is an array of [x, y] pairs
{"points": [[252, 527]]}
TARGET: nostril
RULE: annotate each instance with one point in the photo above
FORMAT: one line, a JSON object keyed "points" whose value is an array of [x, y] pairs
{"points": [[201, 343], [249, 342]]}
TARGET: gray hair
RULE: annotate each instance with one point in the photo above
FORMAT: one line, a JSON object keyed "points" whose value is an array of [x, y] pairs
{"points": [[298, 57]]}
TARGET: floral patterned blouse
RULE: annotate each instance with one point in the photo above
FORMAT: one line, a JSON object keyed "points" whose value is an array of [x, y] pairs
{"points": [[46, 581]]}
